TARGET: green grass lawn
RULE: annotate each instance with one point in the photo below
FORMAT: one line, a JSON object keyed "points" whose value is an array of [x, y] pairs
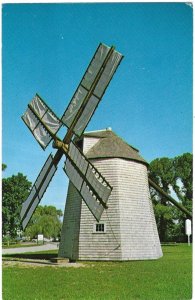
{"points": [[168, 278]]}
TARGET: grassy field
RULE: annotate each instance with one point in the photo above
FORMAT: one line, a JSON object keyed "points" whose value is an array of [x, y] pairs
{"points": [[168, 278]]}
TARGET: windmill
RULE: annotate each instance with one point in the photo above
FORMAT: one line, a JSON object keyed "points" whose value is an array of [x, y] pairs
{"points": [[44, 125], [125, 231]]}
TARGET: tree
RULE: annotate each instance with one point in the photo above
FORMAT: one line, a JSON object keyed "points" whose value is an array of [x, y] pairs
{"points": [[161, 172], [4, 166], [15, 190], [183, 166], [172, 175], [46, 221]]}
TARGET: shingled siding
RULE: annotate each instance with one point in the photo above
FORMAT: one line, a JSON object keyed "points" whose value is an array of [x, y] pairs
{"points": [[102, 246], [139, 237], [158, 246], [89, 142], [71, 225], [131, 232]]}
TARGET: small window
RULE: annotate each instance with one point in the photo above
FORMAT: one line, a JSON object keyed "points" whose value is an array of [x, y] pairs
{"points": [[99, 228]]}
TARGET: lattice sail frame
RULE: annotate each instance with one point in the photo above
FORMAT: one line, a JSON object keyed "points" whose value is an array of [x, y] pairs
{"points": [[37, 191], [44, 125], [38, 118], [92, 186], [92, 87]]}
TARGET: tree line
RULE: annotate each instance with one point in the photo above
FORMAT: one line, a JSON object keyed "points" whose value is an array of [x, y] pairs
{"points": [[173, 175], [46, 220]]}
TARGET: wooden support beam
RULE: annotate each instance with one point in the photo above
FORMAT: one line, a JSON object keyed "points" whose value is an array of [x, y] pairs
{"points": [[169, 198]]}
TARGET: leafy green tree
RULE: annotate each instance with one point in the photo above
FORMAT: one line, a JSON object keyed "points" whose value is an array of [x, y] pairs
{"points": [[46, 221], [161, 171], [183, 166], [15, 190], [4, 167], [172, 175]]}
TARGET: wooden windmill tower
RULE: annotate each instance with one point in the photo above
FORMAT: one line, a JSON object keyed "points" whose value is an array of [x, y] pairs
{"points": [[115, 220], [127, 229]]}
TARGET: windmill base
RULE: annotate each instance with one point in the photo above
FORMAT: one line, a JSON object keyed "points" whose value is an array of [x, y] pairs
{"points": [[59, 260]]}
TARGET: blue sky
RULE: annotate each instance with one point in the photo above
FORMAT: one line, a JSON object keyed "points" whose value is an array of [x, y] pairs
{"points": [[47, 48]]}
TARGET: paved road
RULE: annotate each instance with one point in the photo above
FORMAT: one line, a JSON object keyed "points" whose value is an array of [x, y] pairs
{"points": [[50, 246]]}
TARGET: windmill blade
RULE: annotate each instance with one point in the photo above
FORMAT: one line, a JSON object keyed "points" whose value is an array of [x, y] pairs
{"points": [[91, 88], [90, 199], [41, 121], [92, 176], [38, 190], [92, 186]]}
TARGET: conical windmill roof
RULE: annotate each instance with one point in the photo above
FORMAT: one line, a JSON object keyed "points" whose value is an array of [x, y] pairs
{"points": [[110, 145]]}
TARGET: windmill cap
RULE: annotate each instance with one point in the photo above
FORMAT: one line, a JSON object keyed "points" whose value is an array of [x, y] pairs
{"points": [[110, 145]]}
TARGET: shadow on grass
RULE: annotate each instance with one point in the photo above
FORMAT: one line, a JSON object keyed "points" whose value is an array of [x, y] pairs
{"points": [[46, 256], [31, 262]]}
